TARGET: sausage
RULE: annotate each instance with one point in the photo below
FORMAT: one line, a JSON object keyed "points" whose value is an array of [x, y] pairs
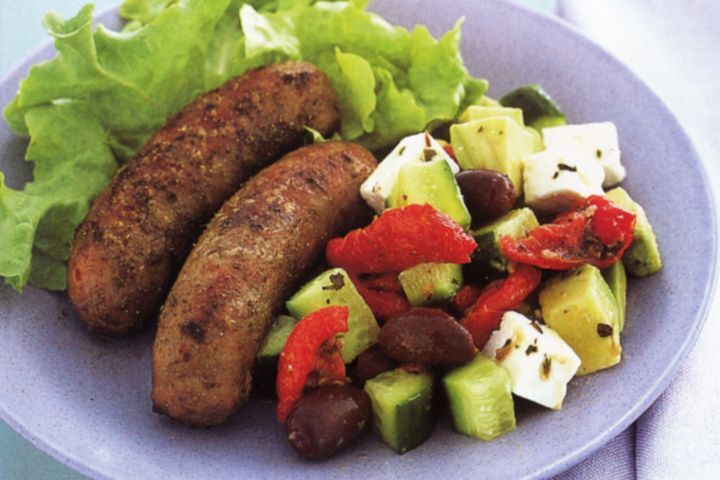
{"points": [[245, 265], [127, 251]]}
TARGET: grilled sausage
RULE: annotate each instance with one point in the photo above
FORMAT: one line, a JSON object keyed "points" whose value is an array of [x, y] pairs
{"points": [[128, 250], [244, 266]]}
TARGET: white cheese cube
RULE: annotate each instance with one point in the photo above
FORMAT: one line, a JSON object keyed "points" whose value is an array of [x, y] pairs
{"points": [[539, 362], [413, 149], [556, 179], [600, 140]]}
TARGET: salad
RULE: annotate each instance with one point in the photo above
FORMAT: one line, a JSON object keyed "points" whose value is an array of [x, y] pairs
{"points": [[495, 267]]}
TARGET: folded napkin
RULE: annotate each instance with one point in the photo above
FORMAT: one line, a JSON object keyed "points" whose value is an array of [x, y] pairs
{"points": [[675, 48]]}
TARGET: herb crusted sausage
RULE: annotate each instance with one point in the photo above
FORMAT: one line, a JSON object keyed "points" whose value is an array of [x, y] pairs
{"points": [[244, 266], [129, 248]]}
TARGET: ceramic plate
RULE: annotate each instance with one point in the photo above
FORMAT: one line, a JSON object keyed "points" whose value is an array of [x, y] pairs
{"points": [[86, 401]]}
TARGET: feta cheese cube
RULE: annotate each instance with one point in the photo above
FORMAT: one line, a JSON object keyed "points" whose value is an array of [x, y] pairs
{"points": [[599, 140], [539, 362], [413, 149], [557, 178]]}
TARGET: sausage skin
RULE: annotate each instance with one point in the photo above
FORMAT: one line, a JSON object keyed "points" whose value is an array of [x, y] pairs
{"points": [[245, 265], [127, 251]]}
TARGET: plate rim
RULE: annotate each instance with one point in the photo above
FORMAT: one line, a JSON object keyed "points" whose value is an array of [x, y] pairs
{"points": [[576, 455]]}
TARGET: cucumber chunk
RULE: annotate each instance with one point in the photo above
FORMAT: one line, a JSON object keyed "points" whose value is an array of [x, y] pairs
{"points": [[430, 182], [617, 281], [539, 109], [277, 336], [581, 308], [516, 224], [480, 399], [334, 287], [266, 360], [643, 256], [402, 407], [430, 283]]}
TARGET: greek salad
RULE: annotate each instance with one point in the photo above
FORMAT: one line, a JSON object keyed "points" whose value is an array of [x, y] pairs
{"points": [[495, 267]]}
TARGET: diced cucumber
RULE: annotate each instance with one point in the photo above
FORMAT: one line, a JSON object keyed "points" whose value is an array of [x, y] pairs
{"points": [[643, 256], [277, 336], [548, 121], [419, 148], [402, 407], [617, 281], [430, 283], [581, 308], [480, 399], [334, 287], [266, 360], [516, 224], [539, 109], [494, 143], [477, 112], [430, 182]]}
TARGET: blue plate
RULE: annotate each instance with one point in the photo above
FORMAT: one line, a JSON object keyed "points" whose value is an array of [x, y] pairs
{"points": [[86, 401]]}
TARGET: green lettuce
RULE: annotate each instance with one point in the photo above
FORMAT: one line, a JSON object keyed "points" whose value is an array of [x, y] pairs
{"points": [[93, 105]]}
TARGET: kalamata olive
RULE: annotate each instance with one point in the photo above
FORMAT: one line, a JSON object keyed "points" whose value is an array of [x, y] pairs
{"points": [[327, 419], [369, 364], [427, 336], [487, 194]]}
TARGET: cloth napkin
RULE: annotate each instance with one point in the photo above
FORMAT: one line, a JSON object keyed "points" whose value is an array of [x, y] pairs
{"points": [[675, 48]]}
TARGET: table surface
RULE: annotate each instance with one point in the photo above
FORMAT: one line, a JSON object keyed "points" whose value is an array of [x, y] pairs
{"points": [[21, 32]]}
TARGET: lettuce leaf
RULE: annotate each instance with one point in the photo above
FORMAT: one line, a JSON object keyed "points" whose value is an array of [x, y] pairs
{"points": [[105, 92]]}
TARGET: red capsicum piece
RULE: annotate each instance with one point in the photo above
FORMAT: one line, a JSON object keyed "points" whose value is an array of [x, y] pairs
{"points": [[399, 239], [464, 299], [596, 232], [497, 298], [383, 294], [310, 348]]}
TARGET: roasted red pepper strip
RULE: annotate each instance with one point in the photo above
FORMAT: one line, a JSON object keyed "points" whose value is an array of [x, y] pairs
{"points": [[450, 151], [399, 239], [464, 299], [384, 295], [299, 357], [596, 232], [497, 298]]}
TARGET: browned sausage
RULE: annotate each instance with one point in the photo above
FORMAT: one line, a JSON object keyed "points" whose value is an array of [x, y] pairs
{"points": [[245, 265], [140, 229]]}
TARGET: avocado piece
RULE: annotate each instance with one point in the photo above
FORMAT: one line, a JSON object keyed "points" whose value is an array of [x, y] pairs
{"points": [[334, 287], [516, 224], [402, 407], [430, 283], [486, 101], [616, 279], [277, 336], [581, 308], [478, 112], [539, 109], [480, 399], [430, 182], [643, 256], [494, 143]]}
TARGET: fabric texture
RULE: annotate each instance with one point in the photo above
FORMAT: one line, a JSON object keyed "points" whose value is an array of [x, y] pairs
{"points": [[675, 48]]}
